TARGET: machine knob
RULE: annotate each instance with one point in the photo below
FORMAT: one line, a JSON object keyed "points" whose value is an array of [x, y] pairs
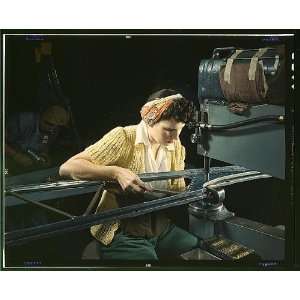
{"points": [[195, 138], [191, 125]]}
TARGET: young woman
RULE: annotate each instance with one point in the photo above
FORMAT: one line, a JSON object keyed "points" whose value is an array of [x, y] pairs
{"points": [[151, 146]]}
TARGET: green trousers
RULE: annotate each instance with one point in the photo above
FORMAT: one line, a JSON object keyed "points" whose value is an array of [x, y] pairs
{"points": [[170, 244]]}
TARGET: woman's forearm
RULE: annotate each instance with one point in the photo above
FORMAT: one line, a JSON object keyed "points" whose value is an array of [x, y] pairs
{"points": [[81, 169]]}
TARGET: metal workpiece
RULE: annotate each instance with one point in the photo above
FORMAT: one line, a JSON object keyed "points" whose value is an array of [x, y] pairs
{"points": [[208, 202], [94, 200], [65, 188], [233, 179], [82, 222], [41, 205], [58, 185], [229, 178], [49, 191]]}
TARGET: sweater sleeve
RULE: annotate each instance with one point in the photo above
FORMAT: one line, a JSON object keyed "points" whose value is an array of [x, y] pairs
{"points": [[181, 163], [112, 149], [178, 184]]}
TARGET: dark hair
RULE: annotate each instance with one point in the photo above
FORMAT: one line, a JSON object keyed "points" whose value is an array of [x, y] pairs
{"points": [[181, 110]]}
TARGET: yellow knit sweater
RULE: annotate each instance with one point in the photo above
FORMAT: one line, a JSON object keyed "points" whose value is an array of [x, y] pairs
{"points": [[118, 148]]}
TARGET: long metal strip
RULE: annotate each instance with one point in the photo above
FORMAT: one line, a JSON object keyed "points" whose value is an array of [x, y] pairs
{"points": [[42, 205], [82, 222], [229, 177], [235, 178], [52, 186], [146, 177], [94, 200], [239, 180]]}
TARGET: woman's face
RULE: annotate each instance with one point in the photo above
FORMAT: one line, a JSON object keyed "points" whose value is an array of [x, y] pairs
{"points": [[165, 132]]}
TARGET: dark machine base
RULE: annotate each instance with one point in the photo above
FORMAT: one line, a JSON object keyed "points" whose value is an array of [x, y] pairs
{"points": [[268, 242]]}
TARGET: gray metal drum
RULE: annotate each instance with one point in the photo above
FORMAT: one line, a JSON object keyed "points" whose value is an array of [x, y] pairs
{"points": [[208, 79]]}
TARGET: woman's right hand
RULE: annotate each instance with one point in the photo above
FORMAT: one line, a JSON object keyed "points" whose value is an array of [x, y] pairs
{"points": [[129, 181]]}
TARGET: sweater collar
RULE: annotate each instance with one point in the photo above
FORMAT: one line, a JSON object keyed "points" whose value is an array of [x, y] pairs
{"points": [[142, 136]]}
